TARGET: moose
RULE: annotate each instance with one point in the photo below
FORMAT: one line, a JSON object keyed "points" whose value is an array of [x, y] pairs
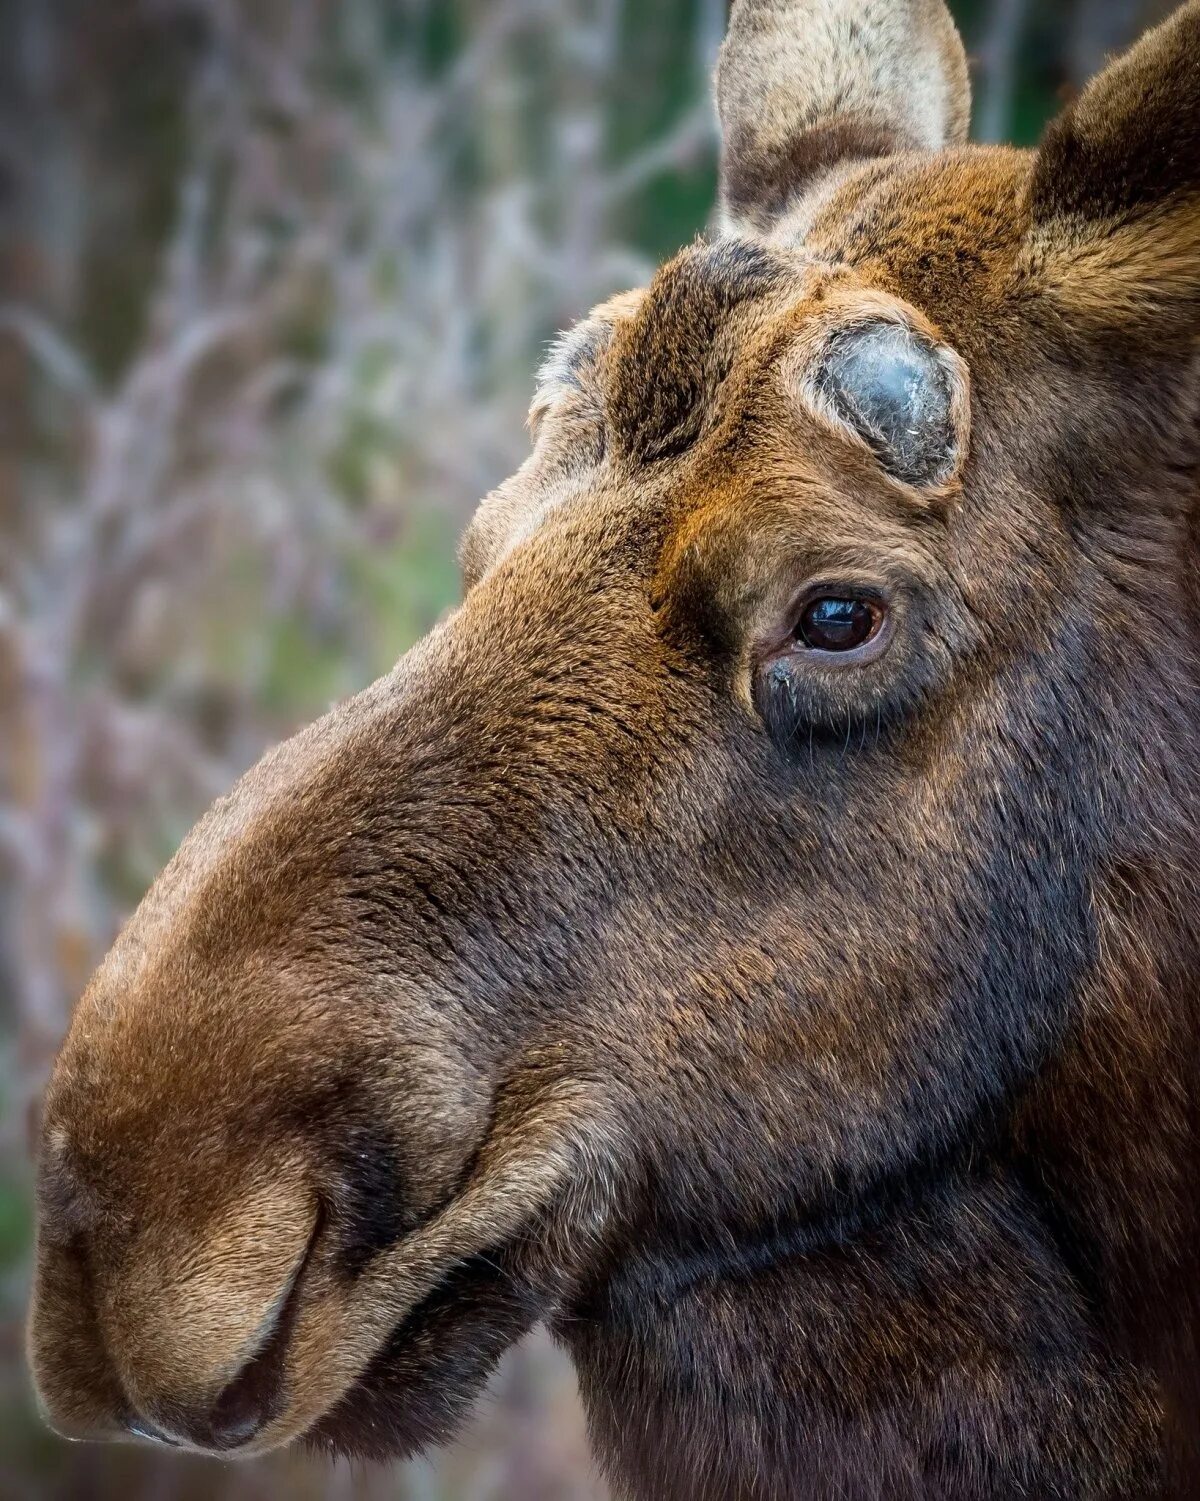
{"points": [[757, 933]]}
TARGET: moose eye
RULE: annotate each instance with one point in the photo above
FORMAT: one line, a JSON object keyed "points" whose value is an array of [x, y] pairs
{"points": [[838, 623]]}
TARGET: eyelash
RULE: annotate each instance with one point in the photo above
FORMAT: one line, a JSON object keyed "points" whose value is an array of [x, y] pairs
{"points": [[809, 684]]}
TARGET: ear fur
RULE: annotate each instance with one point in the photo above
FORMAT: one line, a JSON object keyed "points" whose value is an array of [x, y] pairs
{"points": [[1114, 198], [807, 86]]}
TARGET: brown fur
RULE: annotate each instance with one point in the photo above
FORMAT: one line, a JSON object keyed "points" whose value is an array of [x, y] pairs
{"points": [[811, 1043]]}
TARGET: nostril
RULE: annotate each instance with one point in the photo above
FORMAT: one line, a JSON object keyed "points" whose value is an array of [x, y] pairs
{"points": [[246, 1405], [255, 1395], [242, 1409]]}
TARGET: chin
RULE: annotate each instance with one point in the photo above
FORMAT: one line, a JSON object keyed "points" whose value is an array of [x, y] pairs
{"points": [[419, 1390]]}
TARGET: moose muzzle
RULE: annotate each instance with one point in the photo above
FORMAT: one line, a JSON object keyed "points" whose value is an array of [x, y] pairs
{"points": [[179, 1335]]}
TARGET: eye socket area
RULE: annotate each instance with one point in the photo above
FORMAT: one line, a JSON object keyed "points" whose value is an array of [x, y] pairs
{"points": [[814, 673], [836, 623], [831, 623], [839, 622]]}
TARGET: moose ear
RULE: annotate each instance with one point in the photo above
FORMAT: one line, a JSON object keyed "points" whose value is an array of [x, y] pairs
{"points": [[807, 86], [1114, 198]]}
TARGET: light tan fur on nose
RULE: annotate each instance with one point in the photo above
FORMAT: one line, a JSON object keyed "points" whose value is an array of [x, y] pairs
{"points": [[184, 1308], [190, 1309]]}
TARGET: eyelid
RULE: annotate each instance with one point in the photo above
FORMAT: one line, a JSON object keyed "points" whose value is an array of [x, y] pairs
{"points": [[780, 638], [875, 607]]}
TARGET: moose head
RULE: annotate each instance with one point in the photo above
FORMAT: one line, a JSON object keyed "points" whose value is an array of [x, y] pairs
{"points": [[757, 933]]}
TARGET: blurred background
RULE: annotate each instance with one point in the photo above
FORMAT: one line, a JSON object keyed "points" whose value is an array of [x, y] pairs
{"points": [[274, 275]]}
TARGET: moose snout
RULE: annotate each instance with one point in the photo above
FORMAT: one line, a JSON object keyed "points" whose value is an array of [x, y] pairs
{"points": [[177, 1334], [245, 1405], [239, 1413], [248, 1401]]}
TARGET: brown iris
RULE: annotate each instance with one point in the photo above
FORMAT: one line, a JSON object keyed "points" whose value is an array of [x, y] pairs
{"points": [[838, 623]]}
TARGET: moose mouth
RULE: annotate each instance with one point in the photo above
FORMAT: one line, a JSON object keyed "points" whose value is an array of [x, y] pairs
{"points": [[418, 1388]]}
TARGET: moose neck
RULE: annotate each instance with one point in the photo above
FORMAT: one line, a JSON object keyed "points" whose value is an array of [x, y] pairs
{"points": [[782, 1370]]}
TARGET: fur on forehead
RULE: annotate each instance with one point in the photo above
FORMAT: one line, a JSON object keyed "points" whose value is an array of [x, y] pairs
{"points": [[570, 362], [649, 366], [644, 362]]}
